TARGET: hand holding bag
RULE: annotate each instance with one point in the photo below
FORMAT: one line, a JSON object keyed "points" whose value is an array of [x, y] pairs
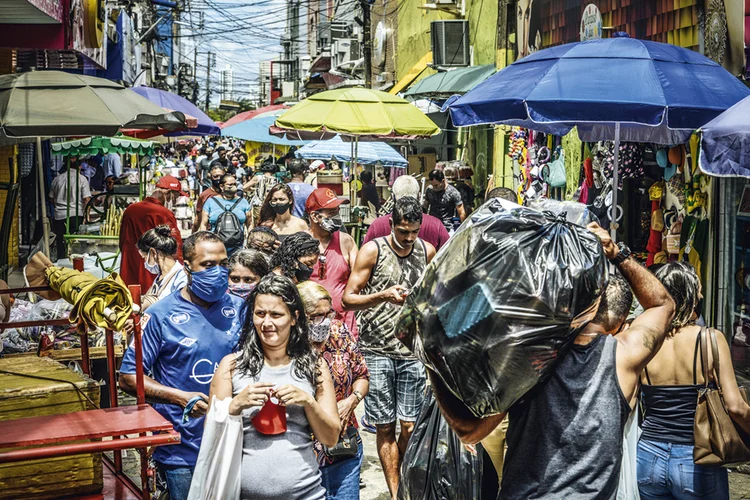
{"points": [[347, 447], [718, 442], [219, 467]]}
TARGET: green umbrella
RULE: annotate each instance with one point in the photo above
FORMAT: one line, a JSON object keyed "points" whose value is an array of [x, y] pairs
{"points": [[55, 103]]}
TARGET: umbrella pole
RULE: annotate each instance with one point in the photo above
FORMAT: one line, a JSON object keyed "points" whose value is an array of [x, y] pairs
{"points": [[613, 225], [40, 172], [67, 198]]}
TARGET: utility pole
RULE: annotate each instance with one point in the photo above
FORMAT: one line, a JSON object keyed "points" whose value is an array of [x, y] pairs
{"points": [[367, 46], [195, 74], [208, 81]]}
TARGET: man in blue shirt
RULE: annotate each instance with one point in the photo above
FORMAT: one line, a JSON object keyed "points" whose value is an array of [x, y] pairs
{"points": [[185, 336], [300, 188]]}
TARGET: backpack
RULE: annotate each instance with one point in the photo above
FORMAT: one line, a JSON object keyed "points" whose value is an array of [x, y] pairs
{"points": [[228, 226]]}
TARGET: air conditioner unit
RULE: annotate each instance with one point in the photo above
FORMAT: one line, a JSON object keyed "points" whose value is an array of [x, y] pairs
{"points": [[344, 51], [340, 30], [450, 43], [162, 65]]}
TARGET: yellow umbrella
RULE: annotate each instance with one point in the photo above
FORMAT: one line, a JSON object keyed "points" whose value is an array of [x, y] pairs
{"points": [[357, 112]]}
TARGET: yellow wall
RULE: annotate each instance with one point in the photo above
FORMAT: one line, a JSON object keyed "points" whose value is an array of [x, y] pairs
{"points": [[414, 32]]}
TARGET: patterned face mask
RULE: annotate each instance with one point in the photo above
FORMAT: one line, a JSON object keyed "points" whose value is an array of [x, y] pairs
{"points": [[319, 333]]}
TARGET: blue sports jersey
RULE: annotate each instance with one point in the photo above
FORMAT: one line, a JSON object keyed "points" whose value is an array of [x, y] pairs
{"points": [[182, 347]]}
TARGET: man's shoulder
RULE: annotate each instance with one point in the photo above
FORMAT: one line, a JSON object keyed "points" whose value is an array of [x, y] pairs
{"points": [[167, 306]]}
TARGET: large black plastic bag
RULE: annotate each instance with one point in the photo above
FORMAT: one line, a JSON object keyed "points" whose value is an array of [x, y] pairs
{"points": [[502, 301], [436, 466]]}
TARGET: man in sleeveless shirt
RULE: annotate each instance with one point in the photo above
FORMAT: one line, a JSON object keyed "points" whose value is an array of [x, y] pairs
{"points": [[338, 252], [386, 269], [565, 437]]}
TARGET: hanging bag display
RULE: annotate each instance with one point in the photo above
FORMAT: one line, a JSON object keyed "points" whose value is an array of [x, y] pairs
{"points": [[555, 172], [718, 442]]}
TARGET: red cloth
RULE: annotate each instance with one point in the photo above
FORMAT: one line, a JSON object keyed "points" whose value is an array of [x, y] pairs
{"points": [[137, 219], [337, 275], [432, 231], [205, 195]]}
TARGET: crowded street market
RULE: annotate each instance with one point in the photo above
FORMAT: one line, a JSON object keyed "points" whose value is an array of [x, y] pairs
{"points": [[410, 251]]}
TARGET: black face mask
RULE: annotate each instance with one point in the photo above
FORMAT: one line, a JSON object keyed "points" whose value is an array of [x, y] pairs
{"points": [[216, 184], [281, 208], [303, 272]]}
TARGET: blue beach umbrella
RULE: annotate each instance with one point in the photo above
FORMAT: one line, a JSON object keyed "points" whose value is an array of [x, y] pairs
{"points": [[368, 152], [612, 89], [725, 143], [256, 130]]}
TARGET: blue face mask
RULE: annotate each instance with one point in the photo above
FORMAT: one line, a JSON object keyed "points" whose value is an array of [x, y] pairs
{"points": [[210, 285]]}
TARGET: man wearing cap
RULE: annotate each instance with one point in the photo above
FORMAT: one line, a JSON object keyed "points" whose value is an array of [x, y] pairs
{"points": [[139, 218], [338, 252]]}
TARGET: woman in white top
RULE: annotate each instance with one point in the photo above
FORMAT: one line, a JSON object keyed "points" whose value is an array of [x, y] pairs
{"points": [[157, 247]]}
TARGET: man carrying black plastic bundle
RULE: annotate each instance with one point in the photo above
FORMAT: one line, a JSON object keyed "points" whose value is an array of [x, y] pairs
{"points": [[385, 270], [565, 437]]}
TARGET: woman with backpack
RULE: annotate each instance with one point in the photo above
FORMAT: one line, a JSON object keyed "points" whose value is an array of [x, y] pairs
{"points": [[228, 215]]}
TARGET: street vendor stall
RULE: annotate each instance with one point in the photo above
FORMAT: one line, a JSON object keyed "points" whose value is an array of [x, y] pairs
{"points": [[102, 234]]}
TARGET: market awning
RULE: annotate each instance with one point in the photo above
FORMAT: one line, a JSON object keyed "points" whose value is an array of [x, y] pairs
{"points": [[90, 146], [448, 83], [412, 74]]}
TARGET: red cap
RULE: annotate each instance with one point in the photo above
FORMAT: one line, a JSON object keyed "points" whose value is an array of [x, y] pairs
{"points": [[171, 183], [323, 198]]}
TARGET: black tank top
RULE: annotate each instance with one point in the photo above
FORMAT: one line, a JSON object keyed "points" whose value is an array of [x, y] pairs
{"points": [[565, 439], [670, 409]]}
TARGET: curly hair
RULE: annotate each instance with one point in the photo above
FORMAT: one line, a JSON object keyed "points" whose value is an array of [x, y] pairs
{"points": [[292, 249], [266, 211], [250, 356]]}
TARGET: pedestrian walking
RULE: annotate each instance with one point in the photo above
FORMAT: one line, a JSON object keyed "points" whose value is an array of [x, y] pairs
{"points": [[277, 370], [300, 189], [338, 252], [185, 336], [158, 248], [443, 200], [228, 215], [68, 199], [565, 438], [216, 172], [342, 465], [385, 270], [432, 230], [296, 257], [139, 218], [246, 269], [276, 212], [670, 384]]}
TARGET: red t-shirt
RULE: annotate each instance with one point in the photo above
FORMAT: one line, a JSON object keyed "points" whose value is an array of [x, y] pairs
{"points": [[205, 195], [137, 219], [432, 231]]}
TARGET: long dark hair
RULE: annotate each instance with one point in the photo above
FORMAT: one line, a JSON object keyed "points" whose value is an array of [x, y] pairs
{"points": [[266, 211], [291, 250], [249, 349], [683, 284]]}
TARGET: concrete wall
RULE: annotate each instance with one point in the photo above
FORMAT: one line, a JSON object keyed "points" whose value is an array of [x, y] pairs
{"points": [[414, 32]]}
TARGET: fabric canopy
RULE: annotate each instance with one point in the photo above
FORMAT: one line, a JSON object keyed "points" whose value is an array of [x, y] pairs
{"points": [[91, 146], [358, 112], [257, 130], [168, 100], [367, 152], [248, 115], [648, 87], [447, 83], [725, 143], [56, 103]]}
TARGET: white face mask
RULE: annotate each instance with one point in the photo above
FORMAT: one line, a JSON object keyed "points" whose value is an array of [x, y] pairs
{"points": [[152, 268], [395, 241]]}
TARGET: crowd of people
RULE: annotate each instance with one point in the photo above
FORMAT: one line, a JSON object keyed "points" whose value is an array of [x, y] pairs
{"points": [[272, 311]]}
